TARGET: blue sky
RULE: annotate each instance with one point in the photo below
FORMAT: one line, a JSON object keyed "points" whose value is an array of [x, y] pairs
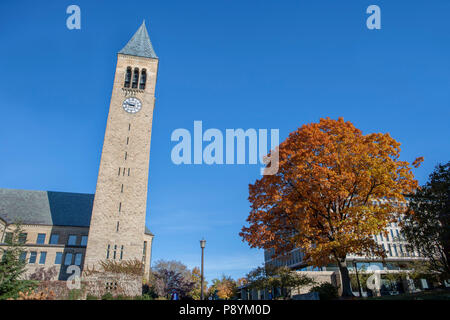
{"points": [[232, 64]]}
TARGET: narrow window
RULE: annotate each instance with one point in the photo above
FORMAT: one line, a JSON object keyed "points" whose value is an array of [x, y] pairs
{"points": [[107, 251], [127, 78], [117, 228], [23, 256], [129, 126], [8, 237], [121, 190], [78, 257], [134, 85], [119, 172], [120, 206], [33, 255], [84, 240], [40, 238], [43, 257], [114, 252], [143, 79], [128, 171], [68, 259], [121, 252], [72, 241], [128, 139], [54, 238], [124, 171], [126, 155], [23, 237], [58, 258]]}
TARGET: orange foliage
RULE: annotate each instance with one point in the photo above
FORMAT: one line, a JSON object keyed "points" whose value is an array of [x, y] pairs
{"points": [[37, 295], [321, 199]]}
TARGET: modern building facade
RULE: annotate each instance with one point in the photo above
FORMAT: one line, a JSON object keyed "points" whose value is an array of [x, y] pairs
{"points": [[399, 256], [63, 229]]}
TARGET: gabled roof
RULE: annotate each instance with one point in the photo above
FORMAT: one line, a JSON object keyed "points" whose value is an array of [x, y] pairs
{"points": [[46, 207], [140, 44]]}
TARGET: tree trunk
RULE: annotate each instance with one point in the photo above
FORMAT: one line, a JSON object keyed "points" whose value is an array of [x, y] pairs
{"points": [[345, 279]]}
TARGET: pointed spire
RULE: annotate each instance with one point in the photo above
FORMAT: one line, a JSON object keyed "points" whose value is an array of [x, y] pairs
{"points": [[140, 44]]}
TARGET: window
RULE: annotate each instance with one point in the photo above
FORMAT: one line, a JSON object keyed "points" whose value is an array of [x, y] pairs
{"points": [[68, 259], [78, 259], [58, 258], [121, 190], [43, 257], [23, 237], [117, 228], [134, 85], [84, 240], [120, 206], [395, 250], [119, 172], [114, 253], [381, 236], [127, 78], [392, 234], [54, 238], [401, 250], [40, 238], [128, 140], [143, 79], [107, 251], [33, 255], [126, 155], [121, 252], [8, 237], [72, 241], [390, 250], [23, 256]]}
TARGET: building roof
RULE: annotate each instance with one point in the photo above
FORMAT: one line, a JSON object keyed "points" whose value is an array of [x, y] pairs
{"points": [[147, 231], [140, 44], [46, 207]]}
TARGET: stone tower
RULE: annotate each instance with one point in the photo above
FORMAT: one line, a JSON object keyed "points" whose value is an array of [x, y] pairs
{"points": [[117, 229]]}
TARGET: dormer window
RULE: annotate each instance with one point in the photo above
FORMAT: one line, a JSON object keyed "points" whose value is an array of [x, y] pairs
{"points": [[134, 85], [143, 79], [127, 78]]}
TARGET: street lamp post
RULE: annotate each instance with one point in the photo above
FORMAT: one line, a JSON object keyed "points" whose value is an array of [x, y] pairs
{"points": [[357, 278], [202, 245]]}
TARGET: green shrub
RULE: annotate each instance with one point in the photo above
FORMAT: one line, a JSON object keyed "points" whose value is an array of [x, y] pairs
{"points": [[144, 297], [326, 291], [107, 296], [91, 297], [74, 294]]}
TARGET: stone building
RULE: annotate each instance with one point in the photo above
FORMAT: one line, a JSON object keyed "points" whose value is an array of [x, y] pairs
{"points": [[63, 229]]}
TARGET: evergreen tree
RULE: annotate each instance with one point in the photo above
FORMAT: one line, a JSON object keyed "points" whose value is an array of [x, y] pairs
{"points": [[12, 266]]}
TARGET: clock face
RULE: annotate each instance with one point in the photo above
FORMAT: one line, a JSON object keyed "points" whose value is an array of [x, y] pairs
{"points": [[132, 105]]}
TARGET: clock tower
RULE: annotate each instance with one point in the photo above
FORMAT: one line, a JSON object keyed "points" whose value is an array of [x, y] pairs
{"points": [[117, 229]]}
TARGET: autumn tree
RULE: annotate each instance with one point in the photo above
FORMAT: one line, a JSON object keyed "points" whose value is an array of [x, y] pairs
{"points": [[196, 277], [322, 197], [224, 288], [428, 227]]}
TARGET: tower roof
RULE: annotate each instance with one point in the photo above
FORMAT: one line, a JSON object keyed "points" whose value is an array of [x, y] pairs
{"points": [[140, 44]]}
